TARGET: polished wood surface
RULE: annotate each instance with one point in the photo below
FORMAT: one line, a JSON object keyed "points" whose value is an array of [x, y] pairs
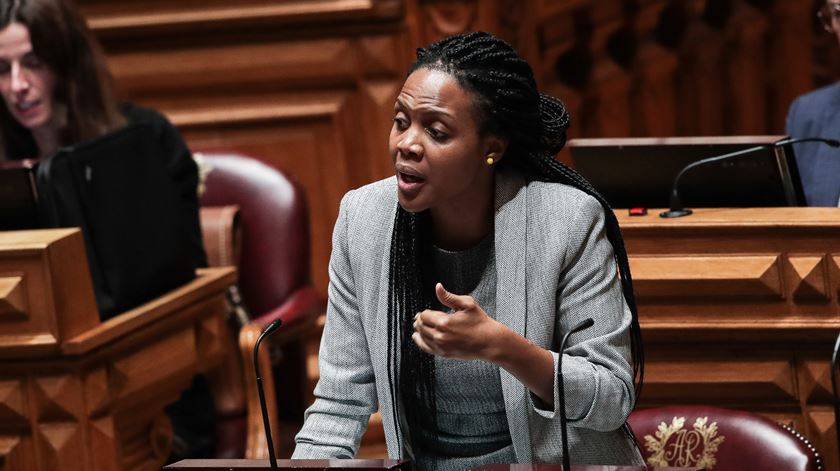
{"points": [[77, 393], [739, 308]]}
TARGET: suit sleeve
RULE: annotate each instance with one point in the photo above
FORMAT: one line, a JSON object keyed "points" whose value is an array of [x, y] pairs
{"points": [[792, 127], [184, 170], [345, 396], [598, 376]]}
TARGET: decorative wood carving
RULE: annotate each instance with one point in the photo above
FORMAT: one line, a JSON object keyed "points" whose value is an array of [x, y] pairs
{"points": [[729, 347], [93, 398], [811, 278], [815, 381], [12, 298], [717, 379], [707, 275]]}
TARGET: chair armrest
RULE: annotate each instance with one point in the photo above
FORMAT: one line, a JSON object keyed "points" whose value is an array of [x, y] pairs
{"points": [[299, 314]]}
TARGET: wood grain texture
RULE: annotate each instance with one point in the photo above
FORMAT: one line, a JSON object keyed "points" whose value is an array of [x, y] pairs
{"points": [[712, 338], [93, 396]]}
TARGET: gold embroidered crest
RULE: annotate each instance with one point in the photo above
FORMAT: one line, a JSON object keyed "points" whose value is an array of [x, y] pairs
{"points": [[675, 446]]}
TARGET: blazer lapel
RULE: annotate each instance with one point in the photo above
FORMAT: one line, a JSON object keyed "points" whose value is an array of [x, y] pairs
{"points": [[511, 297]]}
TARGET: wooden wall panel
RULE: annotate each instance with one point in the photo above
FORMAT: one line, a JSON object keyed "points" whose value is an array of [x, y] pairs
{"points": [[623, 67]]}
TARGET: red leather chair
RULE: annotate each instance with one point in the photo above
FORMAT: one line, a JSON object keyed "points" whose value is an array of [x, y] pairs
{"points": [[720, 440], [274, 282]]}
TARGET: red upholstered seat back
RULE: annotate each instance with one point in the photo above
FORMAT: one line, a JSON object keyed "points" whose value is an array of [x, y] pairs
{"points": [[275, 226], [720, 440]]}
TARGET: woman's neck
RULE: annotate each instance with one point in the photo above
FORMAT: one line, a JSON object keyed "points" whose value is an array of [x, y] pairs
{"points": [[459, 227], [46, 138]]}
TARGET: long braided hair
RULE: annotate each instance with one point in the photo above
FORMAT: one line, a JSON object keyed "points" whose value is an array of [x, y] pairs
{"points": [[508, 105]]}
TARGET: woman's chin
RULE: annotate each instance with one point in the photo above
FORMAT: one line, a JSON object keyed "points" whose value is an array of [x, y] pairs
{"points": [[412, 205]]}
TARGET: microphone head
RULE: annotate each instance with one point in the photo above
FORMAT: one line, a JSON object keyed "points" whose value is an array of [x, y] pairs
{"points": [[272, 327], [833, 142]]}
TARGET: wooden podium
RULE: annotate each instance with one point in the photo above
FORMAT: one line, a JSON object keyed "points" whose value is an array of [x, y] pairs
{"points": [[77, 393], [739, 308]]}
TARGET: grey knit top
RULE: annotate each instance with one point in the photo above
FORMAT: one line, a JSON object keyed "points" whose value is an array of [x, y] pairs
{"points": [[471, 420]]}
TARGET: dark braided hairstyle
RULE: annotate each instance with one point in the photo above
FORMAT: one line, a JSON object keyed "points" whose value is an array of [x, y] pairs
{"points": [[509, 105]]}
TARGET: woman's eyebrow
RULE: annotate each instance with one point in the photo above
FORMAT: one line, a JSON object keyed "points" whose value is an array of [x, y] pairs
{"points": [[429, 109]]}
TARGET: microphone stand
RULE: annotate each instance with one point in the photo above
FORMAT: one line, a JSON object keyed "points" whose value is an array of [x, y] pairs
{"points": [[676, 208], [266, 332], [584, 324]]}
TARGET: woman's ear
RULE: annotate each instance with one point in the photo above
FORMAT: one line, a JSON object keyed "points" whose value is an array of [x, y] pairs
{"points": [[495, 146]]}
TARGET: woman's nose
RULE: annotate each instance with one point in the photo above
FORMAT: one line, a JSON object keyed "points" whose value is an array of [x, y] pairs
{"points": [[409, 146], [19, 80]]}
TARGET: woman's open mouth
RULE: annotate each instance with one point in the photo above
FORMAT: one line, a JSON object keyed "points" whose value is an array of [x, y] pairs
{"points": [[409, 183]]}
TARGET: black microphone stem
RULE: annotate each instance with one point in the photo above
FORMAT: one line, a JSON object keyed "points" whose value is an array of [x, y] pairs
{"points": [[675, 204], [266, 332], [584, 324]]}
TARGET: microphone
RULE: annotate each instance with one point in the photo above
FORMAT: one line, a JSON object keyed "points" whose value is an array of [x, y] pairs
{"points": [[584, 324], [834, 389], [270, 328], [676, 208]]}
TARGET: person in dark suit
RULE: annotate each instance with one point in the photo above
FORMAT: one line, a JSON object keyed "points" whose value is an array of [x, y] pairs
{"points": [[57, 92], [818, 114]]}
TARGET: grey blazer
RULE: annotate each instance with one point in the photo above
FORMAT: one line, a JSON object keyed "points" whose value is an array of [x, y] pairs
{"points": [[555, 268]]}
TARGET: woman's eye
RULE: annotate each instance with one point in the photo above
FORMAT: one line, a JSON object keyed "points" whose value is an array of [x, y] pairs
{"points": [[400, 123], [436, 134], [5, 68], [31, 62]]}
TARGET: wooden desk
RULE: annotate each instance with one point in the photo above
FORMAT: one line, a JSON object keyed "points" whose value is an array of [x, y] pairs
{"points": [[77, 393], [739, 308]]}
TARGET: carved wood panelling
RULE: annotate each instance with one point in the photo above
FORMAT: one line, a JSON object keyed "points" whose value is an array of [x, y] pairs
{"points": [[731, 348], [39, 294], [147, 17], [16, 454], [815, 381], [136, 372], [60, 443], [715, 379], [13, 299], [707, 275], [57, 398], [811, 278], [14, 409], [823, 434]]}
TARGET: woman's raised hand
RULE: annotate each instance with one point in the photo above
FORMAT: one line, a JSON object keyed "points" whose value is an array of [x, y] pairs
{"points": [[466, 334]]}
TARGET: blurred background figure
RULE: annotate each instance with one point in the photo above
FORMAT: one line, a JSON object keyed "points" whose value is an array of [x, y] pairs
{"points": [[818, 114], [58, 92]]}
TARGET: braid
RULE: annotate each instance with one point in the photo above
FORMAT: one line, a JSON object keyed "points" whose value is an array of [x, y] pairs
{"points": [[535, 125]]}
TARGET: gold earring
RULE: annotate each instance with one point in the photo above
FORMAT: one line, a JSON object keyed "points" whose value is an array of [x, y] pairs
{"points": [[490, 160]]}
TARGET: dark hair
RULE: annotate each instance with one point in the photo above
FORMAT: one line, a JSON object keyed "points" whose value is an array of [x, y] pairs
{"points": [[62, 41], [510, 106]]}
